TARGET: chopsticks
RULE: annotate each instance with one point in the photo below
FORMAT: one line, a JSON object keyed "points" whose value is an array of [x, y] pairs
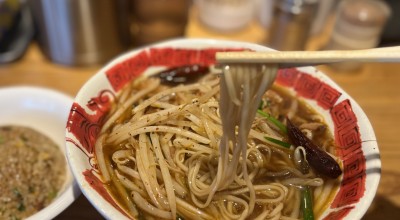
{"points": [[310, 58]]}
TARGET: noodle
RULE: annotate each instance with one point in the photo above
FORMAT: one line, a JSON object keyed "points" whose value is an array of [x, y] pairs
{"points": [[199, 151]]}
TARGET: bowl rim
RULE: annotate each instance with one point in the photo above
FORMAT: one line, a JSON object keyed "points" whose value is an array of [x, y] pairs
{"points": [[71, 189], [359, 208]]}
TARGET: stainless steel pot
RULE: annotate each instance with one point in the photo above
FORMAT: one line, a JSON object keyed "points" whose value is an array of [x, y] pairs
{"points": [[78, 32]]}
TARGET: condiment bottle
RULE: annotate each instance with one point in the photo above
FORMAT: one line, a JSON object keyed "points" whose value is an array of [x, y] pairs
{"points": [[291, 24], [225, 15], [358, 25]]}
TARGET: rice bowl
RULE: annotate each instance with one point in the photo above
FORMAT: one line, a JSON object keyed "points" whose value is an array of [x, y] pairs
{"points": [[45, 111]]}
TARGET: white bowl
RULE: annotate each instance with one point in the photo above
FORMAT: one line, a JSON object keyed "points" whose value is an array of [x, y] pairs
{"points": [[46, 111], [349, 124]]}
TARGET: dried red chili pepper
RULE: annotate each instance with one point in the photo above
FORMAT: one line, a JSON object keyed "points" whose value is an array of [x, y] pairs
{"points": [[318, 159], [183, 74]]}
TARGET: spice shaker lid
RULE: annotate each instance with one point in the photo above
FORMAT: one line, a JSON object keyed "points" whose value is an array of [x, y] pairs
{"points": [[295, 6], [361, 19], [365, 12]]}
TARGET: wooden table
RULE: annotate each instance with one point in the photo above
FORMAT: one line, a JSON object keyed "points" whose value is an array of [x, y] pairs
{"points": [[376, 87]]}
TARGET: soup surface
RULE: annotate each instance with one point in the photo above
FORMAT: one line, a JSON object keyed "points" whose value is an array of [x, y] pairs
{"points": [[32, 171], [158, 152]]}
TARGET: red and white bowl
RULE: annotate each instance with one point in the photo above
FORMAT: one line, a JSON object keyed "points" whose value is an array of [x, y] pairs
{"points": [[350, 126]]}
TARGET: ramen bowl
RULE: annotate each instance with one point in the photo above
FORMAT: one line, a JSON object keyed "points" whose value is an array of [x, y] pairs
{"points": [[45, 111], [349, 125]]}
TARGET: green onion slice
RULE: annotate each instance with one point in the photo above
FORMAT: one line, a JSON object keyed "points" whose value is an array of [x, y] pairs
{"points": [[306, 204], [278, 142], [273, 120]]}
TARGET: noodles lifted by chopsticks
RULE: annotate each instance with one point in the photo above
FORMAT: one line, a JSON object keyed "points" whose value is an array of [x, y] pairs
{"points": [[242, 87]]}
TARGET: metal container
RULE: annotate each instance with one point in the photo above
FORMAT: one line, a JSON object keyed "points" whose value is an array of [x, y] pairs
{"points": [[291, 24], [78, 32]]}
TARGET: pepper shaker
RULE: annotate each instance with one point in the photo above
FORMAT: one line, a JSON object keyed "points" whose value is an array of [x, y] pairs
{"points": [[226, 15]]}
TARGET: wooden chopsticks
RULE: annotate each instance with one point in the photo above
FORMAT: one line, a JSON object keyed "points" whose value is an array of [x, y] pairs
{"points": [[310, 58]]}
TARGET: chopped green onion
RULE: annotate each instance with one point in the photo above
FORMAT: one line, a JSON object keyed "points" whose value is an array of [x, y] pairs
{"points": [[278, 142], [273, 120], [24, 138], [261, 105], [306, 204], [31, 189], [264, 104], [52, 194], [267, 103], [17, 193], [21, 207]]}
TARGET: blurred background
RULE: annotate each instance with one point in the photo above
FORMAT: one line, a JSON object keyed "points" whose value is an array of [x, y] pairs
{"points": [[62, 43], [91, 32]]}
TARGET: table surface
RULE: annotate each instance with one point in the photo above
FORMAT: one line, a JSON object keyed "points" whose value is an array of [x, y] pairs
{"points": [[376, 88]]}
